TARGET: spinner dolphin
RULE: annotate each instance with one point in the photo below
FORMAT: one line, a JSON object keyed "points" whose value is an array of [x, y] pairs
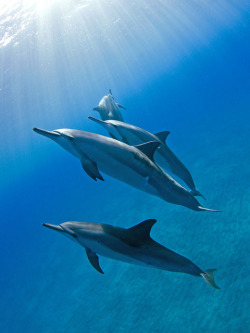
{"points": [[133, 245], [164, 156], [109, 109], [133, 165]]}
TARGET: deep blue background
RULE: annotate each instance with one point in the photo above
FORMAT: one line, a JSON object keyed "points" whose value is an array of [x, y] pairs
{"points": [[176, 66]]}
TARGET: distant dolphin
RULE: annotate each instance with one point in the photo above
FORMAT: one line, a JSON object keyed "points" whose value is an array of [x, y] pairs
{"points": [[133, 245], [164, 156], [133, 165], [109, 109]]}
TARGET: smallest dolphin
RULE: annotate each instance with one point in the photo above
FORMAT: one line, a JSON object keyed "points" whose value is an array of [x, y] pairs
{"points": [[133, 246], [109, 109]]}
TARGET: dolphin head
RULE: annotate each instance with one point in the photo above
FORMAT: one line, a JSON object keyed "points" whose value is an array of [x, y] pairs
{"points": [[64, 137], [56, 135], [67, 229], [103, 105], [79, 232]]}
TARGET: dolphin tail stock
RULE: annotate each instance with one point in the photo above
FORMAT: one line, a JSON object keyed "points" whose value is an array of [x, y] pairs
{"points": [[200, 208], [208, 276], [196, 193]]}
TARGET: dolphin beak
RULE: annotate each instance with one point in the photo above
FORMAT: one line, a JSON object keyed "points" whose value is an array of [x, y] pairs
{"points": [[53, 227], [98, 121], [48, 134]]}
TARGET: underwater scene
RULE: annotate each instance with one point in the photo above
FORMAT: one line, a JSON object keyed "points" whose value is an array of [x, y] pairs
{"points": [[148, 107]]}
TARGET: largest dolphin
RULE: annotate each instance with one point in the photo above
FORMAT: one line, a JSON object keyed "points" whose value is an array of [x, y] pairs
{"points": [[133, 165], [164, 156], [133, 245], [109, 109]]}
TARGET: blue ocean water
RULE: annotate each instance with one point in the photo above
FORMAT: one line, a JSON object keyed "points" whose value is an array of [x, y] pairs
{"points": [[176, 65]]}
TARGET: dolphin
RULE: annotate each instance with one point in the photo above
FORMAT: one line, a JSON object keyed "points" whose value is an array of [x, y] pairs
{"points": [[133, 245], [164, 156], [133, 165], [109, 109]]}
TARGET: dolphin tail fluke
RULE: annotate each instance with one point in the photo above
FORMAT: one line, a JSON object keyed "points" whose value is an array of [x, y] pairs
{"points": [[200, 208], [196, 193], [208, 276]]}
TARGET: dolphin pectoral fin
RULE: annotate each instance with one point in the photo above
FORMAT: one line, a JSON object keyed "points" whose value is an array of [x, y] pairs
{"points": [[112, 136], [94, 260], [121, 106], [91, 169], [148, 148], [162, 135], [208, 276], [97, 108]]}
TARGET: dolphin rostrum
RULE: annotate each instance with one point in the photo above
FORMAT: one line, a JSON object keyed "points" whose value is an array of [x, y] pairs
{"points": [[133, 165], [164, 156], [109, 109], [133, 245]]}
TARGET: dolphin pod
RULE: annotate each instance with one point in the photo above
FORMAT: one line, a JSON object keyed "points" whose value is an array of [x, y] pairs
{"points": [[133, 165], [132, 156], [133, 245], [164, 156], [109, 109]]}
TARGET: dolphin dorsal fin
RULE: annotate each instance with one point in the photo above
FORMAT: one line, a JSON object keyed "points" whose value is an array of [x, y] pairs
{"points": [[162, 135], [143, 229], [148, 148]]}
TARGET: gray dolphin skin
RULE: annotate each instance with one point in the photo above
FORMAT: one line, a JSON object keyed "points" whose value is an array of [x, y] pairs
{"points": [[133, 245], [133, 165], [109, 109], [164, 156]]}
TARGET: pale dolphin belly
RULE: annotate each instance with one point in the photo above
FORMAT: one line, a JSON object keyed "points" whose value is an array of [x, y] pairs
{"points": [[131, 166], [155, 256], [126, 169], [114, 249]]}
